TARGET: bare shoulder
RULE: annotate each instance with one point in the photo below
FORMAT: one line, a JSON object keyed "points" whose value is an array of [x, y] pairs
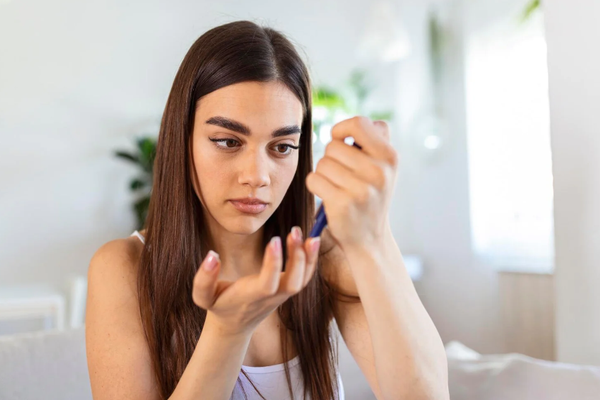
{"points": [[116, 259], [119, 361]]}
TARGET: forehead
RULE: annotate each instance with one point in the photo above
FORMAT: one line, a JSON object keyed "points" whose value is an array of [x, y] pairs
{"points": [[260, 105]]}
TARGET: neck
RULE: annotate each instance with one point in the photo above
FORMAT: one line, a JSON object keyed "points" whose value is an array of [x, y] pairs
{"points": [[240, 254]]}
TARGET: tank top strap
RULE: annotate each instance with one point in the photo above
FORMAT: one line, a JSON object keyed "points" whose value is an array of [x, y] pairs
{"points": [[139, 235]]}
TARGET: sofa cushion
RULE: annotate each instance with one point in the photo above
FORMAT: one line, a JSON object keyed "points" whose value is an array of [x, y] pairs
{"points": [[49, 365], [474, 376]]}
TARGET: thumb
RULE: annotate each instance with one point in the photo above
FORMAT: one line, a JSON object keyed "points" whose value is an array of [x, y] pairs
{"points": [[205, 281]]}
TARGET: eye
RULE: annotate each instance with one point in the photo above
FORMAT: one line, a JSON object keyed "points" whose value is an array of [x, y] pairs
{"points": [[288, 148], [226, 141]]}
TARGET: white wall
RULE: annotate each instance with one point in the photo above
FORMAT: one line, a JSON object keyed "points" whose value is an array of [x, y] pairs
{"points": [[573, 34]]}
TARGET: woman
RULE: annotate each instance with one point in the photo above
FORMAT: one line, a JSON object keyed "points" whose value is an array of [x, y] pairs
{"points": [[185, 309]]}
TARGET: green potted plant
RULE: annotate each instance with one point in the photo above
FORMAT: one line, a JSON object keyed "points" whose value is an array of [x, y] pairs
{"points": [[141, 185]]}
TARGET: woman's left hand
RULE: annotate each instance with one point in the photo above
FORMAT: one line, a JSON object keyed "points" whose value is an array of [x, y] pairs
{"points": [[355, 185]]}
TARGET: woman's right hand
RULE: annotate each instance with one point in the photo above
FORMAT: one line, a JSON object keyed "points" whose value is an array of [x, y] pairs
{"points": [[238, 307]]}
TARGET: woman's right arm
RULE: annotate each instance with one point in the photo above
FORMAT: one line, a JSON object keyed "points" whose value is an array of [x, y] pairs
{"points": [[215, 365], [119, 361]]}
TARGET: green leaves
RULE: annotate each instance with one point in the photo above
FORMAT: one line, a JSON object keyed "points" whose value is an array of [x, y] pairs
{"points": [[141, 185], [137, 184], [147, 148], [381, 115], [328, 98], [531, 7], [127, 156], [350, 99]]}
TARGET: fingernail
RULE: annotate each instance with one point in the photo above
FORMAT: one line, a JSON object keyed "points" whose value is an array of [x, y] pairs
{"points": [[276, 244], [297, 233], [211, 260], [315, 244]]}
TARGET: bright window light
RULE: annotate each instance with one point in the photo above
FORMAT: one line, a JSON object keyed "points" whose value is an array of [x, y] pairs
{"points": [[510, 168]]}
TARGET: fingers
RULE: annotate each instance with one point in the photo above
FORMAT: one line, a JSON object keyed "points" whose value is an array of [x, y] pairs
{"points": [[373, 137], [205, 281], [272, 266], [359, 164], [323, 187], [311, 247], [292, 278]]}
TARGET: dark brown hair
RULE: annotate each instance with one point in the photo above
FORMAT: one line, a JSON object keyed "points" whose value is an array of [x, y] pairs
{"points": [[176, 234]]}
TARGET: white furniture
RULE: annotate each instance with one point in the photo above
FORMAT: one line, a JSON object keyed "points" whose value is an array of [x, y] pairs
{"points": [[49, 365], [77, 299], [475, 376], [33, 301], [21, 305]]}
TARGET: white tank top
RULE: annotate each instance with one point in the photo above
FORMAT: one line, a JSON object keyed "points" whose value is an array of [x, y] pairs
{"points": [[270, 380]]}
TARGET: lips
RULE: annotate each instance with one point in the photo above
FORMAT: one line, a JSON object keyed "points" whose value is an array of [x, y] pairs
{"points": [[249, 206], [249, 200]]}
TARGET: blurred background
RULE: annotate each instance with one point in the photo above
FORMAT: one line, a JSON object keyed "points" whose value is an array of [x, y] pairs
{"points": [[491, 106]]}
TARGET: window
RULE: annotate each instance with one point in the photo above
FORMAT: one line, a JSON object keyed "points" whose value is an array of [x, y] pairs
{"points": [[508, 131]]}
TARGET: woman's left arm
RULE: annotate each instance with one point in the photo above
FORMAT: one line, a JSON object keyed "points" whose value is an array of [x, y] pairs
{"points": [[399, 343], [409, 356]]}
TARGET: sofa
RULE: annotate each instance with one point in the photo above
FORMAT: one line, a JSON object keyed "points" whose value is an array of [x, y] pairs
{"points": [[48, 365], [52, 366], [513, 376]]}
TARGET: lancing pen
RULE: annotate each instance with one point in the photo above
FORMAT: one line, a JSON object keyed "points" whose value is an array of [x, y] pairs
{"points": [[321, 218]]}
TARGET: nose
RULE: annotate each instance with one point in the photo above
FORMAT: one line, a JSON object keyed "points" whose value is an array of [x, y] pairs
{"points": [[254, 169]]}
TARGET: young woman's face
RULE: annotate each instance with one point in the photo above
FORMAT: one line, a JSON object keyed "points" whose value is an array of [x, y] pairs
{"points": [[241, 146]]}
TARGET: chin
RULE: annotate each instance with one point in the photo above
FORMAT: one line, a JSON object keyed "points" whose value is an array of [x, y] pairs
{"points": [[244, 225]]}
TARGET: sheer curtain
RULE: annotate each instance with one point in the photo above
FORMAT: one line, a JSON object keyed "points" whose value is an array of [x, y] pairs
{"points": [[508, 132]]}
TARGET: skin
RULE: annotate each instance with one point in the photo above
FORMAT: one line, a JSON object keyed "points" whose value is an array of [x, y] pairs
{"points": [[256, 165]]}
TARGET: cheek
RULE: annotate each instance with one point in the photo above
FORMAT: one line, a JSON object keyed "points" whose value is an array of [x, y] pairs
{"points": [[285, 175], [211, 177]]}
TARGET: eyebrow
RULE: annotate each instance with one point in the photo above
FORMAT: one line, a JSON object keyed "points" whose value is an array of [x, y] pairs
{"points": [[244, 130]]}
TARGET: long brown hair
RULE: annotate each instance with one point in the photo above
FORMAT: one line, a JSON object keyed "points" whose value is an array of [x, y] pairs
{"points": [[176, 234]]}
